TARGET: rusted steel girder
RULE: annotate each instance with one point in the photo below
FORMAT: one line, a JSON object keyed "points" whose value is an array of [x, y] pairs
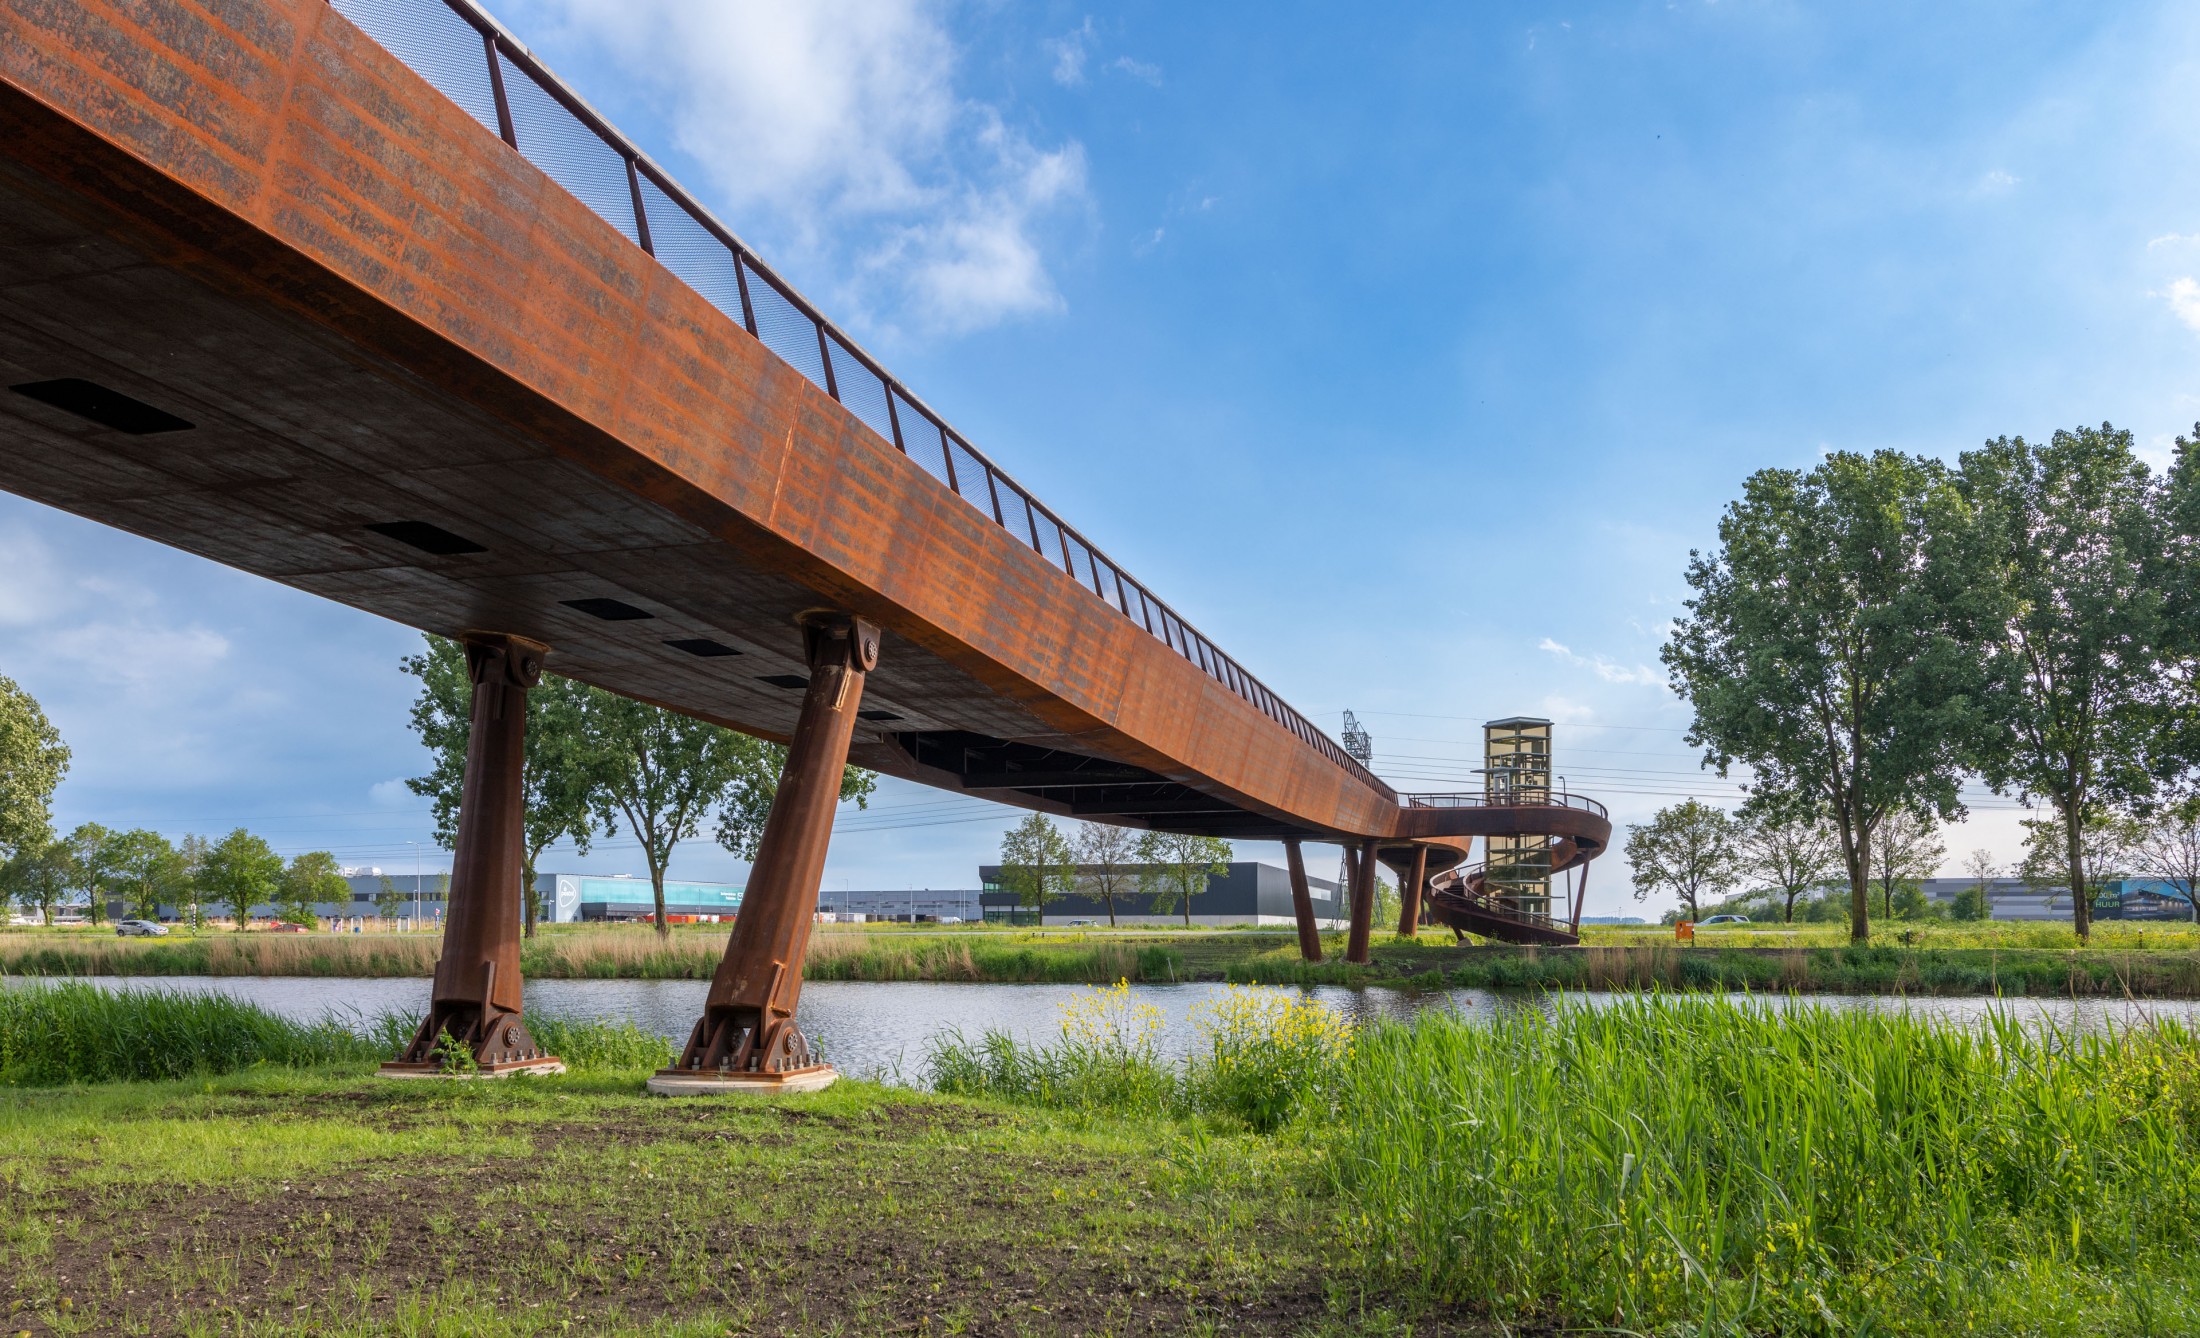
{"points": [[476, 999], [1362, 862], [1410, 883], [1302, 903], [747, 1039]]}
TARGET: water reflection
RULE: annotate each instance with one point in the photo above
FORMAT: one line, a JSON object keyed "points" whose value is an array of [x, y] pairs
{"points": [[883, 1029]]}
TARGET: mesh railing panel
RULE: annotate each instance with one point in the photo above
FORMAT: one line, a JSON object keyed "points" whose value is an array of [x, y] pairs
{"points": [[576, 157], [861, 389], [971, 477], [435, 44], [691, 251], [784, 328], [926, 444], [447, 42]]}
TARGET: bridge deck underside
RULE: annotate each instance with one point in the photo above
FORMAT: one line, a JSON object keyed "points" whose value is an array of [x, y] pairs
{"points": [[371, 311]]}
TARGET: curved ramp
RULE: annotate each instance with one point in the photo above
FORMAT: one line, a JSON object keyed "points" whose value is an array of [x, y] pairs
{"points": [[1457, 896]]}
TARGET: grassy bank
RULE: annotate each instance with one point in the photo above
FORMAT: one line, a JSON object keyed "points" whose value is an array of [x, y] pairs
{"points": [[323, 1201], [2167, 965], [1671, 1165], [1663, 1165]]}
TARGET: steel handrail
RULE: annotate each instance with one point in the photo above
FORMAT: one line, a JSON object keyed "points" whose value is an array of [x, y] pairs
{"points": [[1172, 630], [1548, 800]]}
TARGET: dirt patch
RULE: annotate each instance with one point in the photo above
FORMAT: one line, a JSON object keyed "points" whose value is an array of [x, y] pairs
{"points": [[869, 1226]]}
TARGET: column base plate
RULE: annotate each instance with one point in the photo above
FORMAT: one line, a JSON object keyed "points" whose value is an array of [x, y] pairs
{"points": [[542, 1067], [709, 1082]]}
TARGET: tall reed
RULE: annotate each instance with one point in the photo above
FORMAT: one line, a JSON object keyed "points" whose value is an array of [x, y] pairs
{"points": [[1734, 1169], [71, 1032]]}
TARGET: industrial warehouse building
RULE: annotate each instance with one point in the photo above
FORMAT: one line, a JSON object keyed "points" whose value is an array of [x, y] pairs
{"points": [[1248, 893], [2118, 899]]}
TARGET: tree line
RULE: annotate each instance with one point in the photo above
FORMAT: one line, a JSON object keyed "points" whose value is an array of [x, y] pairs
{"points": [[1874, 631], [1041, 863], [42, 870], [598, 764], [1715, 862]]}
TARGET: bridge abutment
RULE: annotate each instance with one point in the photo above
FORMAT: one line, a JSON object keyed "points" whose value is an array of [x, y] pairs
{"points": [[473, 1026], [747, 1038]]}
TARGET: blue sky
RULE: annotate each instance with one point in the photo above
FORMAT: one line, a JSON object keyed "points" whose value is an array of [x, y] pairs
{"points": [[1407, 350]]}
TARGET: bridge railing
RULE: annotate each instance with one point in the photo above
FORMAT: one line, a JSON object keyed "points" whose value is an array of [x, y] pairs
{"points": [[1524, 799], [470, 58]]}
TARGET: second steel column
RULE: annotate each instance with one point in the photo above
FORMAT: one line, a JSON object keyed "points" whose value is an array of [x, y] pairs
{"points": [[1302, 903], [1409, 894], [475, 1005], [1363, 903], [747, 1039]]}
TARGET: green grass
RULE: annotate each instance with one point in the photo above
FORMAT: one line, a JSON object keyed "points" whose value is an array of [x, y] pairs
{"points": [[1697, 1165], [68, 1032], [279, 1203]]}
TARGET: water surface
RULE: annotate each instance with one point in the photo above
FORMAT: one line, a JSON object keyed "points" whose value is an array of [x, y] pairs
{"points": [[882, 1029]]}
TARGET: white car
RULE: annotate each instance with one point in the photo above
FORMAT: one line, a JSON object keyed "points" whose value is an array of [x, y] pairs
{"points": [[140, 929], [1722, 922]]}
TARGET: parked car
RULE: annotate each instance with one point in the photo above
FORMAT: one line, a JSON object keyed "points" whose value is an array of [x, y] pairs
{"points": [[1722, 922], [140, 929], [286, 927]]}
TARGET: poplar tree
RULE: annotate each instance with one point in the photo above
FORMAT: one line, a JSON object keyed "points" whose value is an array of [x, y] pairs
{"points": [[2076, 664], [1037, 864], [33, 759], [1826, 647], [1178, 867]]}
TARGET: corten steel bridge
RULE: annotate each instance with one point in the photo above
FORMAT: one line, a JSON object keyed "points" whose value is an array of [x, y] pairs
{"points": [[360, 299]]}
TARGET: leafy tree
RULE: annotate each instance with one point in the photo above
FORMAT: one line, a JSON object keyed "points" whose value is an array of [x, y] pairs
{"points": [[33, 759], [1824, 647], [93, 852], [1690, 849], [1106, 856], [1790, 854], [147, 871], [2045, 867], [2077, 687], [241, 871], [558, 782], [1178, 867], [389, 903], [1037, 864], [1906, 849], [2166, 846], [312, 877], [1976, 902], [662, 773], [38, 874], [192, 850]]}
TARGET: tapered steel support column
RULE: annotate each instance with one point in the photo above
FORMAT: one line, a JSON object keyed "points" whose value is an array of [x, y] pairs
{"points": [[1302, 903], [1363, 904], [476, 999], [1409, 894], [747, 1039]]}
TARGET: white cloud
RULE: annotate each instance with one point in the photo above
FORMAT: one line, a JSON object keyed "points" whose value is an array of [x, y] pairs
{"points": [[1607, 670], [391, 794], [2184, 299], [1997, 181], [1069, 54], [1566, 711], [835, 129], [1137, 69], [2173, 239]]}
